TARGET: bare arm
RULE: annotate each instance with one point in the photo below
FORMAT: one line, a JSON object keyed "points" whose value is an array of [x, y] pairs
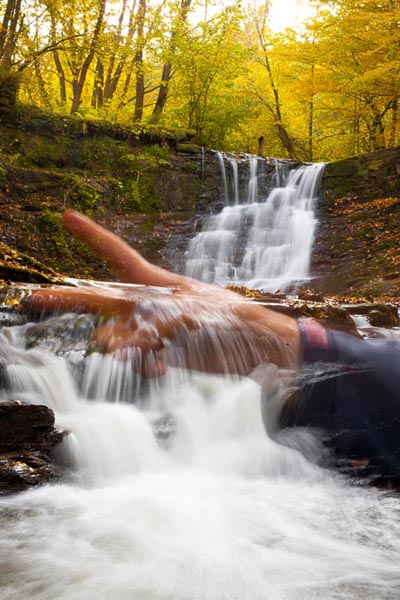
{"points": [[276, 335]]}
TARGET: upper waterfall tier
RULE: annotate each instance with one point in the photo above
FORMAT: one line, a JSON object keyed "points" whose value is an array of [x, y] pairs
{"points": [[260, 240]]}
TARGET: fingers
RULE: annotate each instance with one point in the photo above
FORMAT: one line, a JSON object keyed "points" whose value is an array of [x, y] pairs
{"points": [[141, 348], [128, 265], [118, 334], [141, 343]]}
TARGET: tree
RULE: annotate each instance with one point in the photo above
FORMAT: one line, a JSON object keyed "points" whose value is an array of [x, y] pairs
{"points": [[209, 58], [166, 74], [271, 101], [358, 47]]}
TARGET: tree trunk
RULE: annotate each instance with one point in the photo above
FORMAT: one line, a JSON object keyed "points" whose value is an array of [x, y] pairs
{"points": [[393, 124], [167, 68], [10, 6], [61, 77], [138, 63], [42, 88], [9, 33], [80, 78], [98, 86], [283, 134], [113, 76], [311, 118], [139, 99]]}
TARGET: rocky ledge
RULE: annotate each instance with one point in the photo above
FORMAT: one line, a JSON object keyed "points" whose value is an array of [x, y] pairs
{"points": [[333, 312]]}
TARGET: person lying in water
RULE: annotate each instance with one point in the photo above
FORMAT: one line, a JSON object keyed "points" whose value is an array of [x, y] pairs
{"points": [[360, 408], [189, 306]]}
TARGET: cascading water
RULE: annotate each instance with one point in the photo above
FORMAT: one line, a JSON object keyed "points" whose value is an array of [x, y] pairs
{"points": [[264, 241], [217, 509], [235, 176]]}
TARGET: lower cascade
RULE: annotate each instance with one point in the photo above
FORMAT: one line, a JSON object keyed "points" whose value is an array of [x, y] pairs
{"points": [[174, 490], [260, 240]]}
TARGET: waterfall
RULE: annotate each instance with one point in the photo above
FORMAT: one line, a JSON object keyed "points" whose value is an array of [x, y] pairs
{"points": [[235, 175], [223, 175], [253, 182], [264, 241], [176, 491]]}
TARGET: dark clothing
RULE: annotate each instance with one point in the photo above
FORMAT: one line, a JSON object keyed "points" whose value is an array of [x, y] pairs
{"points": [[355, 398]]}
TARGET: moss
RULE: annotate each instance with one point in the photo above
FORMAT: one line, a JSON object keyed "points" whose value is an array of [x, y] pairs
{"points": [[149, 157], [45, 152], [188, 148], [141, 194], [80, 195], [9, 84], [3, 176], [99, 154], [50, 227]]}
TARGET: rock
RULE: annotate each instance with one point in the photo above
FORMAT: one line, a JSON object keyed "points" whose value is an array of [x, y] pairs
{"points": [[331, 316], [370, 176], [378, 314], [27, 427], [27, 436], [345, 406], [384, 316], [310, 295], [357, 236], [17, 266], [18, 471], [188, 148]]}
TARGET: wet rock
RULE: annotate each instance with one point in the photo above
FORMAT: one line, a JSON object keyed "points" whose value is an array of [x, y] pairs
{"points": [[345, 406], [332, 312], [331, 316], [27, 427], [384, 316], [27, 436], [19, 471], [371, 175], [10, 319], [378, 314], [62, 334]]}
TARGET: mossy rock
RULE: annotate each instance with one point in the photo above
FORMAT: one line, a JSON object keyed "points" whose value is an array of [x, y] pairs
{"points": [[188, 148]]}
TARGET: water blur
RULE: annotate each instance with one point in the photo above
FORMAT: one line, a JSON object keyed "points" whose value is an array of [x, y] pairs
{"points": [[174, 489]]}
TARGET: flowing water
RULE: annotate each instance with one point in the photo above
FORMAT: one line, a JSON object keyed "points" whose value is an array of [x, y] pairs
{"points": [[176, 492], [259, 239]]}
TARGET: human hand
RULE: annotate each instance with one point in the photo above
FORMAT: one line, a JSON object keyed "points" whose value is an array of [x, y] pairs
{"points": [[232, 334]]}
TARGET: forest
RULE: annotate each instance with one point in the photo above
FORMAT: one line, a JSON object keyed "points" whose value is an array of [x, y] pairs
{"points": [[326, 90]]}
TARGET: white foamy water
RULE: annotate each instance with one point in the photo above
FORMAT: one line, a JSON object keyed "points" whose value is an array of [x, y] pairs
{"points": [[258, 241], [218, 511]]}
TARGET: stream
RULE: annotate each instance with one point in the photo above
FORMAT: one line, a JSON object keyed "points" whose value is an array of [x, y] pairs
{"points": [[182, 487], [174, 490]]}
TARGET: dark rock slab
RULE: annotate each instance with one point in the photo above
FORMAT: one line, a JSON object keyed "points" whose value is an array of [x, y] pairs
{"points": [[370, 175], [360, 420], [27, 436], [27, 427]]}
